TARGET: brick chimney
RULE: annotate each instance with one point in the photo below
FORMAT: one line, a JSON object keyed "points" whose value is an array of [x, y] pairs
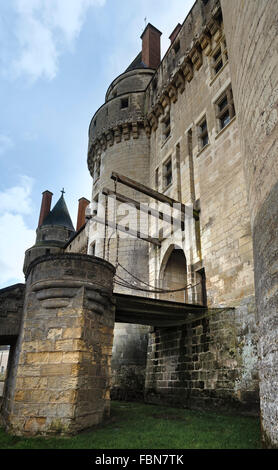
{"points": [[83, 203], [45, 206], [174, 34], [151, 46]]}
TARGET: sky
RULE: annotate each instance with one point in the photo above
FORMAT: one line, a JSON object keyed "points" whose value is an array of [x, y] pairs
{"points": [[57, 59]]}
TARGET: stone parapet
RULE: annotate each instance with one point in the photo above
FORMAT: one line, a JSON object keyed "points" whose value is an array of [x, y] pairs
{"points": [[201, 32]]}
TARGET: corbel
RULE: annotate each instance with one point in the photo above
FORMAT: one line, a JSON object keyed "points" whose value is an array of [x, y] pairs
{"points": [[158, 110], [97, 147], [126, 131], [215, 29], [196, 57], [117, 134], [147, 128], [172, 92], [187, 69], [134, 130], [179, 81], [205, 42], [153, 121], [165, 100], [110, 138]]}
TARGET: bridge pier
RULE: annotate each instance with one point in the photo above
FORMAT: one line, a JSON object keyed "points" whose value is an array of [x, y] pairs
{"points": [[62, 365]]}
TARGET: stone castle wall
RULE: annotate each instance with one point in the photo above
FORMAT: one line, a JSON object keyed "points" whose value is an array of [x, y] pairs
{"points": [[251, 29], [186, 90], [11, 308]]}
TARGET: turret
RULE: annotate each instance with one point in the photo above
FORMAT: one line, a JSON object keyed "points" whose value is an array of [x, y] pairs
{"points": [[55, 228]]}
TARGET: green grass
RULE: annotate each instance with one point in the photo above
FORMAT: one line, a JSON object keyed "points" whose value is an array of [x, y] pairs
{"points": [[140, 426]]}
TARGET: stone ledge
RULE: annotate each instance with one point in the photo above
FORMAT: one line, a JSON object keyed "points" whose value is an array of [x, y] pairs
{"points": [[69, 256]]}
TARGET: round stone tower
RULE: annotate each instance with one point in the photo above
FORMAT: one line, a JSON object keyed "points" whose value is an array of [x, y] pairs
{"points": [[119, 142]]}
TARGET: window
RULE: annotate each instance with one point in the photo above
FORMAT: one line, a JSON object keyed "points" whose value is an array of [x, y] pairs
{"points": [[189, 143], [219, 57], [177, 46], [225, 109], [124, 103], [95, 205], [167, 126], [203, 133], [157, 179], [168, 175], [217, 61]]}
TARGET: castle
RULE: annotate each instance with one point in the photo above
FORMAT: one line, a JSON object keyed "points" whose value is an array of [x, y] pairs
{"points": [[153, 295]]}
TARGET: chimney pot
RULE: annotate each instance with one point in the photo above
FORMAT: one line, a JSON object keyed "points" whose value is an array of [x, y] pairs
{"points": [[83, 203], [174, 34], [45, 206], [151, 46]]}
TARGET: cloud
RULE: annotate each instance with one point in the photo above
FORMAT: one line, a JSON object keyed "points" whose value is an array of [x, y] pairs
{"points": [[17, 199], [5, 143], [15, 236], [43, 30]]}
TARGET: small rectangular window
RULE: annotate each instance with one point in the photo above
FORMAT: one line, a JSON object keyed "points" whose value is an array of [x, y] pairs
{"points": [[177, 46], [168, 174], [124, 103], [157, 179], [203, 133], [225, 109], [95, 205], [167, 126], [219, 57], [217, 61]]}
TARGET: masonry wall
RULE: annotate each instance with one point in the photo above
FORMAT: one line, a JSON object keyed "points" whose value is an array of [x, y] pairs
{"points": [[118, 142], [251, 29], [79, 244], [11, 309], [61, 364], [185, 90]]}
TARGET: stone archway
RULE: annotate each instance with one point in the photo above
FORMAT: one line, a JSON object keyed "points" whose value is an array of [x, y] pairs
{"points": [[173, 274]]}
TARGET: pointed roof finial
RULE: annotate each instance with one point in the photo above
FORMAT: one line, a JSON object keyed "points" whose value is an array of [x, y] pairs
{"points": [[63, 192]]}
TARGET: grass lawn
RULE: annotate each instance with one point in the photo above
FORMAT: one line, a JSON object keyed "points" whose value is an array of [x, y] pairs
{"points": [[140, 426]]}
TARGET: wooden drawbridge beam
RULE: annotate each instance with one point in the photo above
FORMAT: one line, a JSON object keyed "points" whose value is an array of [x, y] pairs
{"points": [[154, 194]]}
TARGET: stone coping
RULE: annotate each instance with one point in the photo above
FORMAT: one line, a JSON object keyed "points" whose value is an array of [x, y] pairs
{"points": [[68, 256]]}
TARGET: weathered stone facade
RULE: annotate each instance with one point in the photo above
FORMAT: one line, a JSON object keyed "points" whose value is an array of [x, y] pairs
{"points": [[11, 308], [62, 367], [170, 104], [200, 127], [206, 364], [251, 29]]}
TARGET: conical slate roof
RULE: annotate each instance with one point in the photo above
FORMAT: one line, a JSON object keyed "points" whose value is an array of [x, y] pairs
{"points": [[136, 63], [59, 215]]}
